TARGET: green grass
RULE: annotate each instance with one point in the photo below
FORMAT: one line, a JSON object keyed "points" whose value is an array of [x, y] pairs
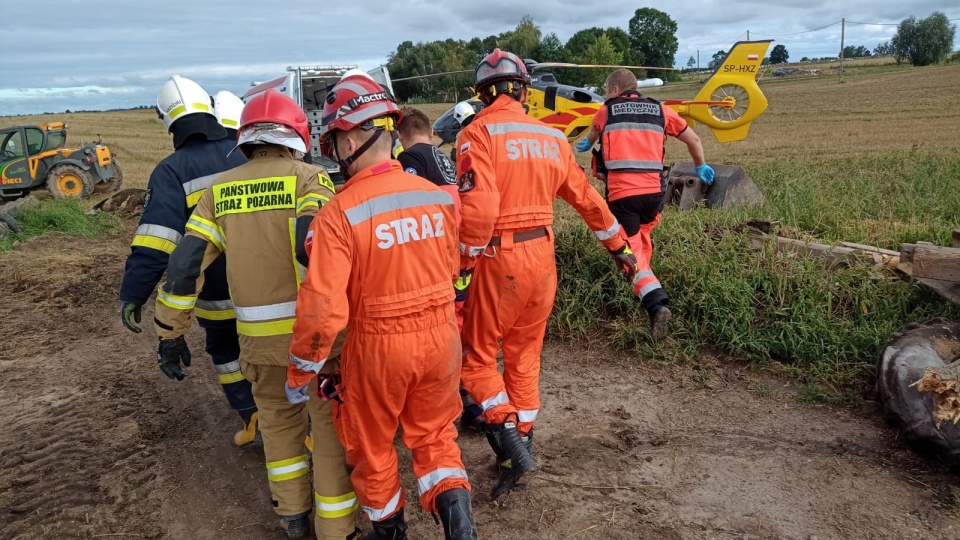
{"points": [[63, 215], [824, 328]]}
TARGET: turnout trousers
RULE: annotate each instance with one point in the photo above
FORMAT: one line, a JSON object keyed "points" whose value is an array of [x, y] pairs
{"points": [[284, 427], [511, 297], [402, 371], [223, 346], [638, 216]]}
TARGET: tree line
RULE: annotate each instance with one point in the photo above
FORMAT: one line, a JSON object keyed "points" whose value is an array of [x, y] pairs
{"points": [[649, 40], [921, 42]]}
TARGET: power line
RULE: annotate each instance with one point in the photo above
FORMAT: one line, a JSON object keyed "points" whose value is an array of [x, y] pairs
{"points": [[798, 33], [888, 24]]}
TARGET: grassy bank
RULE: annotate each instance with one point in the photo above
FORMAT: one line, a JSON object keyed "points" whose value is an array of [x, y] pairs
{"points": [[64, 215], [825, 327]]}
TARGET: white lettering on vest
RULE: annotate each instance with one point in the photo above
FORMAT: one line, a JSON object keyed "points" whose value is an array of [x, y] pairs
{"points": [[533, 148], [407, 229]]}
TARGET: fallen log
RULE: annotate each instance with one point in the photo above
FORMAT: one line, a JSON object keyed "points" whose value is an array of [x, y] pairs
{"points": [[932, 262], [943, 384]]}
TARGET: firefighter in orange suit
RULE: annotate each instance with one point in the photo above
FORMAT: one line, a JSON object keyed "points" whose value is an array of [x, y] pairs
{"points": [[510, 169], [382, 262], [633, 131], [258, 214]]}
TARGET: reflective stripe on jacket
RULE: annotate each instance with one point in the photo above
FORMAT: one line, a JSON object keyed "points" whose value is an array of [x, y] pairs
{"points": [[250, 213], [174, 188]]}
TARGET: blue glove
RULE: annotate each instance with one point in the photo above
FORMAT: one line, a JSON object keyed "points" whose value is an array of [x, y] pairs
{"points": [[583, 145], [705, 172], [296, 395]]}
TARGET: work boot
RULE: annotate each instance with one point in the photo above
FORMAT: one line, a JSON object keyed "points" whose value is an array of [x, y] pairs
{"points": [[453, 506], [513, 457], [659, 319], [297, 526], [392, 528], [250, 434]]}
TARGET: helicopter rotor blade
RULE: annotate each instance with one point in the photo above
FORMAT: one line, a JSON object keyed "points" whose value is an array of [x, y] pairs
{"points": [[433, 75], [569, 65]]}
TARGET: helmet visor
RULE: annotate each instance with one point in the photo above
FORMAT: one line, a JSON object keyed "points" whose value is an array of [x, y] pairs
{"points": [[505, 68], [271, 133]]}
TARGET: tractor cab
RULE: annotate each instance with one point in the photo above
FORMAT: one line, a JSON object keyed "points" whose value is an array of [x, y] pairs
{"points": [[35, 156]]}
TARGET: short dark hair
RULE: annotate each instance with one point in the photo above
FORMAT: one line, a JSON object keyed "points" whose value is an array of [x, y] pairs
{"points": [[622, 79], [414, 122]]}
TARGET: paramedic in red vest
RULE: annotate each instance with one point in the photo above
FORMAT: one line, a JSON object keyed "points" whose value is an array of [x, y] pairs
{"points": [[633, 131]]}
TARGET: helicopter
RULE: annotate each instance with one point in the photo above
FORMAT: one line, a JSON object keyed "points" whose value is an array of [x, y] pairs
{"points": [[726, 103]]}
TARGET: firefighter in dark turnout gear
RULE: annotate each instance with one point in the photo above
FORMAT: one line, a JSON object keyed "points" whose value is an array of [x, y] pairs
{"points": [[633, 130], [176, 184]]}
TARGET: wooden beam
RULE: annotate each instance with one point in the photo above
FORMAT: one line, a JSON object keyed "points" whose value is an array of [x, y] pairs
{"points": [[950, 291], [956, 238], [934, 262], [870, 249], [832, 255]]}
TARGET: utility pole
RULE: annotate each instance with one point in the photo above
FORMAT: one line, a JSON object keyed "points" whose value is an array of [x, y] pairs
{"points": [[748, 35], [698, 59], [843, 27]]}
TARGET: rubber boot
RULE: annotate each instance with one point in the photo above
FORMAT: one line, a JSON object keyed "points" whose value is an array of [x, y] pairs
{"points": [[456, 514], [659, 323], [250, 434], [513, 457], [392, 528], [297, 526]]}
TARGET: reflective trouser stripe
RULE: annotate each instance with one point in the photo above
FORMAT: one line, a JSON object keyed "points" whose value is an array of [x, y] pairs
{"points": [[645, 283], [229, 373], [287, 469], [175, 301], [428, 481], [379, 514], [255, 321], [335, 507], [499, 399], [609, 233], [528, 416]]}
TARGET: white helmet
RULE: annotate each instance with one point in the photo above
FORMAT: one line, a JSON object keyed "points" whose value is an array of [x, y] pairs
{"points": [[462, 111], [180, 97], [356, 71], [227, 108]]}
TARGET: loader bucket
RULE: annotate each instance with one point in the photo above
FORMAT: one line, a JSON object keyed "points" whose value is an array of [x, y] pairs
{"points": [[731, 186]]}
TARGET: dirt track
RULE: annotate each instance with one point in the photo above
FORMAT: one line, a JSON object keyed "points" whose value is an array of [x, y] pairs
{"points": [[97, 443]]}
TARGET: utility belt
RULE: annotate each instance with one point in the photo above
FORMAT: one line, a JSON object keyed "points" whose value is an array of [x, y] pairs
{"points": [[524, 236]]}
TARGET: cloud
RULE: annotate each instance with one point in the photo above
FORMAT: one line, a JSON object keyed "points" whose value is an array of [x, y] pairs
{"points": [[223, 44]]}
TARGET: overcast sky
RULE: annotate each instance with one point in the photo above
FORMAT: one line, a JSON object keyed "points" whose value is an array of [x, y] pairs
{"points": [[116, 53]]}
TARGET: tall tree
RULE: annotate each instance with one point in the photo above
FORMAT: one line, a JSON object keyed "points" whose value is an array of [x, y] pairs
{"points": [[779, 54], [524, 40], [550, 49], [601, 52], [883, 49], [691, 62], [924, 42], [653, 36]]}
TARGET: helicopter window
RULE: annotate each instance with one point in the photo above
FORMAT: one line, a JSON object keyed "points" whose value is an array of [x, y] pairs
{"points": [[34, 140], [548, 78], [12, 147]]}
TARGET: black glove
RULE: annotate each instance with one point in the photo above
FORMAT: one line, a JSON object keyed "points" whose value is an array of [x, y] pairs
{"points": [[169, 355], [627, 261], [126, 310], [327, 387]]}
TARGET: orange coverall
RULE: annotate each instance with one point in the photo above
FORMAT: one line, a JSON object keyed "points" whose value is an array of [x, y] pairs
{"points": [[385, 267], [511, 168]]}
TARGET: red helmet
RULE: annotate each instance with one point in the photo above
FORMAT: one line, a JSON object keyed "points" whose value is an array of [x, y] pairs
{"points": [[501, 66], [357, 101], [274, 118]]}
